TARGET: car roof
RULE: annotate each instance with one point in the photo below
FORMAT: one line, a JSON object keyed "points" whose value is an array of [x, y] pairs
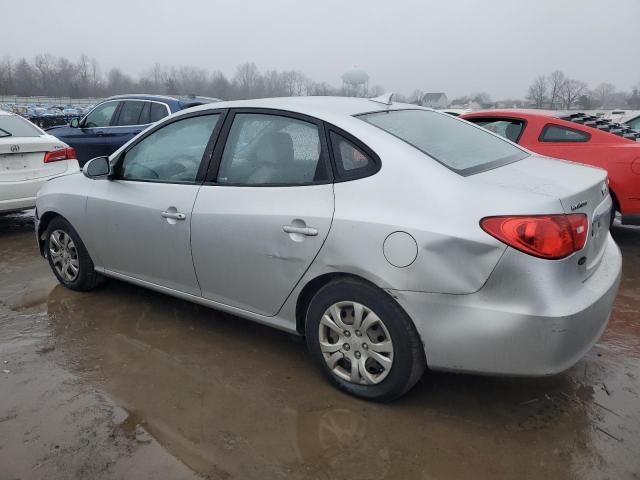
{"points": [[321, 107], [4, 112], [182, 99]]}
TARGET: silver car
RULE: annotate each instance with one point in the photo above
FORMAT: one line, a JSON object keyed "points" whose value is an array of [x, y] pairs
{"points": [[393, 237]]}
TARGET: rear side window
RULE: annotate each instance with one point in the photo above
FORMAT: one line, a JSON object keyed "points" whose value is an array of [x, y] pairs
{"points": [[351, 161], [558, 133], [158, 112], [454, 143], [130, 113], [510, 129], [272, 150]]}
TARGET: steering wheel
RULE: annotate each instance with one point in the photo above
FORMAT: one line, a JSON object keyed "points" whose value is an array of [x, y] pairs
{"points": [[144, 167]]}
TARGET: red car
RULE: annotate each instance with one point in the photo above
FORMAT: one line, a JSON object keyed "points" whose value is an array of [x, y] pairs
{"points": [[578, 137]]}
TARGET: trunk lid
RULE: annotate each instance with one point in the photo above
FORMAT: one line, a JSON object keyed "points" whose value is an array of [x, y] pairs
{"points": [[579, 188], [22, 158]]}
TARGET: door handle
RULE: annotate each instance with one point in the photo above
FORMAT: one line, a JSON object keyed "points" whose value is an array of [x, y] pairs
{"points": [[173, 215], [308, 231]]}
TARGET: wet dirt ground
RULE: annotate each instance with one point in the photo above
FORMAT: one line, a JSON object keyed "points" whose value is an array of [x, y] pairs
{"points": [[126, 383]]}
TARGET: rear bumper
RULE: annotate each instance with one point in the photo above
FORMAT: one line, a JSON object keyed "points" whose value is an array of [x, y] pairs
{"points": [[17, 204], [19, 195], [516, 326]]}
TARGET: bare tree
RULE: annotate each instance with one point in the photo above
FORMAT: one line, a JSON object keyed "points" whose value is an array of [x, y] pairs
{"points": [[25, 78], [571, 91], [220, 86], [556, 84], [6, 76], [538, 92], [415, 97], [118, 82], [45, 67], [601, 93], [484, 99], [247, 80]]}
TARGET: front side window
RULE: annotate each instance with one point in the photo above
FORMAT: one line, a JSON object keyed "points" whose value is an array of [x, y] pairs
{"points": [[101, 115], [558, 133], [272, 149], [15, 126], [508, 128], [130, 113], [461, 147], [171, 154]]}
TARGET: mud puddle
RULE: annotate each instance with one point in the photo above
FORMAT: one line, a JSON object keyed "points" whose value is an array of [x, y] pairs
{"points": [[124, 378]]}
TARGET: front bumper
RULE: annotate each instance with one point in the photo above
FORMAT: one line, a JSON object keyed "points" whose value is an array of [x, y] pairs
{"points": [[516, 325]]}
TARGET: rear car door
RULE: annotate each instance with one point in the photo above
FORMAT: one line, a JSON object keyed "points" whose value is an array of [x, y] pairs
{"points": [[265, 211], [132, 117], [140, 221]]}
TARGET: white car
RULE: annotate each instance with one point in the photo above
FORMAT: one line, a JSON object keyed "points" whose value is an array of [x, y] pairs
{"points": [[28, 158]]}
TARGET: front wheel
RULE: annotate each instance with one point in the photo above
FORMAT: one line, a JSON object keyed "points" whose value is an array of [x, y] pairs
{"points": [[68, 257], [363, 340]]}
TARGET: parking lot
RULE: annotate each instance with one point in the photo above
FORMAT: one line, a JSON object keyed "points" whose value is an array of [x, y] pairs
{"points": [[126, 383]]}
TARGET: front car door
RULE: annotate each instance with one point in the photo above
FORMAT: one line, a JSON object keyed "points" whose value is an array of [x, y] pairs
{"points": [[140, 221], [91, 137], [260, 222]]}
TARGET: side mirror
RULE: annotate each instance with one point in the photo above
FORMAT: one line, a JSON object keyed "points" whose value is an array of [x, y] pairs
{"points": [[74, 123], [98, 167]]}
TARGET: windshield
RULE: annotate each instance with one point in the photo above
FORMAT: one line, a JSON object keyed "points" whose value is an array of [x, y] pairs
{"points": [[456, 144], [14, 126]]}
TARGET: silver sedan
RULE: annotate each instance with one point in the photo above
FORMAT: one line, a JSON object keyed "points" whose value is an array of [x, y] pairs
{"points": [[392, 236]]}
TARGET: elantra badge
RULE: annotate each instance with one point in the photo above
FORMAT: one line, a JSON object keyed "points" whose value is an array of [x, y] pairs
{"points": [[580, 204]]}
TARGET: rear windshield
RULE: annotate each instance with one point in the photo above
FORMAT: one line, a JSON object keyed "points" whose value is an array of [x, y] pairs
{"points": [[456, 144], [14, 126]]}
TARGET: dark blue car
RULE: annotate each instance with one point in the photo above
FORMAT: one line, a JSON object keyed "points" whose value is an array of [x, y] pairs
{"points": [[117, 120]]}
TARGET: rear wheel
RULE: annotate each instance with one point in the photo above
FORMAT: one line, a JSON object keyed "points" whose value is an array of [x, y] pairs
{"points": [[363, 341], [68, 257]]}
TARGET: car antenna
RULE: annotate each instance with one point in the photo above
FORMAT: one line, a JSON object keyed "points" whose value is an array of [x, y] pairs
{"points": [[385, 98]]}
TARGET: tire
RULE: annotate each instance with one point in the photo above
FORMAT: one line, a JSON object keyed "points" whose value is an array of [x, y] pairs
{"points": [[79, 273], [383, 381]]}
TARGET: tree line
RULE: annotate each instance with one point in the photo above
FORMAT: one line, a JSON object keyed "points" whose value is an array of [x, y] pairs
{"points": [[557, 91], [48, 75]]}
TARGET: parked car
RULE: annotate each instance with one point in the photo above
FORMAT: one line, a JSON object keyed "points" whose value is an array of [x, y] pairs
{"points": [[631, 118], [28, 158], [392, 236], [116, 120], [581, 138]]}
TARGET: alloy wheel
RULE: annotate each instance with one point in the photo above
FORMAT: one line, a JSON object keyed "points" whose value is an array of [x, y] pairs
{"points": [[64, 255], [355, 343]]}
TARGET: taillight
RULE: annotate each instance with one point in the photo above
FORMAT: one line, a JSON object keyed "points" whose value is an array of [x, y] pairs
{"points": [[544, 236], [61, 154]]}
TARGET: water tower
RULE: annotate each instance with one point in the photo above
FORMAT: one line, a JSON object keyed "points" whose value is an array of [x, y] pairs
{"points": [[355, 83]]}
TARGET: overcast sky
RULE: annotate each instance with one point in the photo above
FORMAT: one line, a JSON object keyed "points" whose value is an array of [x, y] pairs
{"points": [[455, 46]]}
